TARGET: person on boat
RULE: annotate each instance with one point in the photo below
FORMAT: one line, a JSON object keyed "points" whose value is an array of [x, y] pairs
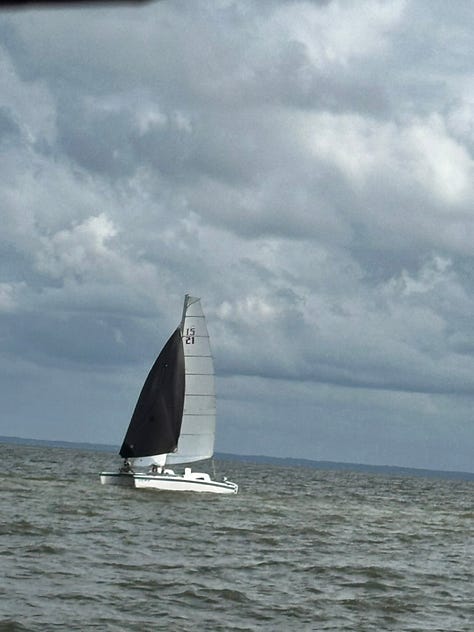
{"points": [[156, 469], [126, 468]]}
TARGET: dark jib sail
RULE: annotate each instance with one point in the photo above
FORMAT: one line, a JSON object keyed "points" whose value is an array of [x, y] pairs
{"points": [[156, 420]]}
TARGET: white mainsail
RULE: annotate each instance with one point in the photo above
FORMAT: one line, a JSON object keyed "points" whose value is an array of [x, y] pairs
{"points": [[196, 440]]}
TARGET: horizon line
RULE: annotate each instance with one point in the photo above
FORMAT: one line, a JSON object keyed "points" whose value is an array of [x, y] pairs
{"points": [[258, 458]]}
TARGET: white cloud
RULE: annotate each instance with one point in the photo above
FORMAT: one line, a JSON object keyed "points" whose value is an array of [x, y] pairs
{"points": [[432, 274], [440, 163], [82, 249], [338, 32], [416, 153]]}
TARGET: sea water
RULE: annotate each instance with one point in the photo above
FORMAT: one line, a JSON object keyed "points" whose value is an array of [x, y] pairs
{"points": [[296, 549]]}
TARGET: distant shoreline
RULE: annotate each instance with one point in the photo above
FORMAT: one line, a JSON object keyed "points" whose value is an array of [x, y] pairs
{"points": [[274, 460]]}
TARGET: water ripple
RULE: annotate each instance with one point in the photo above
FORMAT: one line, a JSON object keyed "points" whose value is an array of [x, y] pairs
{"points": [[319, 551]]}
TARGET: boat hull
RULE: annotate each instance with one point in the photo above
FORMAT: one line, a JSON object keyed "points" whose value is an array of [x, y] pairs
{"points": [[124, 479], [170, 482], [174, 483]]}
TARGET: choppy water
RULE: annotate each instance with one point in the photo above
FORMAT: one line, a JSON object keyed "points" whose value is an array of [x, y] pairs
{"points": [[296, 549]]}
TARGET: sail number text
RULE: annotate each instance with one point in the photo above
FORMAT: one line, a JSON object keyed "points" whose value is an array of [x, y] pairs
{"points": [[189, 335]]}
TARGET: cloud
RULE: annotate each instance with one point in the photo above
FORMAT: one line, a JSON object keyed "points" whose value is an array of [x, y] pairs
{"points": [[305, 167], [340, 32], [78, 251], [8, 296]]}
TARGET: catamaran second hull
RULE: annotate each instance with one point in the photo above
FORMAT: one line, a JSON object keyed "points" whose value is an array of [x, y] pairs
{"points": [[174, 483], [124, 479]]}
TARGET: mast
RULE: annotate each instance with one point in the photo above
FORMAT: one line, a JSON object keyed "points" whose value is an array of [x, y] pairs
{"points": [[183, 316]]}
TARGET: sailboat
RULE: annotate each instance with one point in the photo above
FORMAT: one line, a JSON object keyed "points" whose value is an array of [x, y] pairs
{"points": [[174, 419]]}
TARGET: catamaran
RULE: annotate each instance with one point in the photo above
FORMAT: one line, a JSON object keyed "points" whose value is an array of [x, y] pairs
{"points": [[174, 420]]}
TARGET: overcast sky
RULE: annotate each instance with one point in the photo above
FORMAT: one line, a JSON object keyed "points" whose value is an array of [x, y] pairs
{"points": [[306, 168]]}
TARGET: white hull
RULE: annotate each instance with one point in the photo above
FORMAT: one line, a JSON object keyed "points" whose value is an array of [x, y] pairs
{"points": [[169, 481], [182, 484]]}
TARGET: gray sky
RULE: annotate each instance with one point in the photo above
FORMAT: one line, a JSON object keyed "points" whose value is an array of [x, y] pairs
{"points": [[304, 167]]}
